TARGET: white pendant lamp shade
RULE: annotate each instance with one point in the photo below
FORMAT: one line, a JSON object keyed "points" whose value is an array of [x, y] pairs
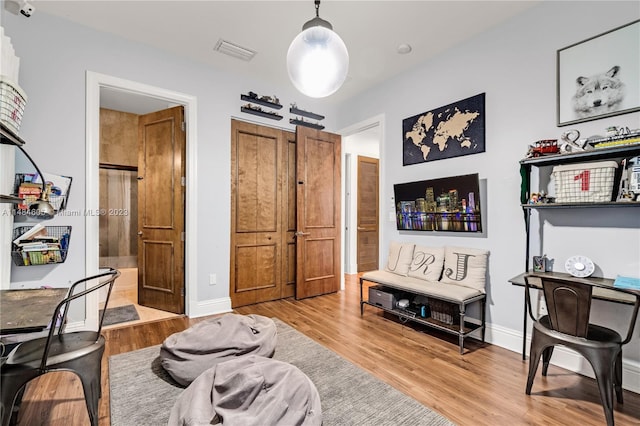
{"points": [[317, 60]]}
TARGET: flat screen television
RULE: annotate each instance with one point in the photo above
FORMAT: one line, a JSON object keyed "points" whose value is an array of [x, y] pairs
{"points": [[449, 204]]}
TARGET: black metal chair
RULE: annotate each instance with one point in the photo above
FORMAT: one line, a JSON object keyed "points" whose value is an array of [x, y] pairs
{"points": [[569, 305], [80, 352]]}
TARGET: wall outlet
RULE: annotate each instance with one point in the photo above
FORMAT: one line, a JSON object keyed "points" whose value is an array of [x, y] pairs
{"points": [[212, 279]]}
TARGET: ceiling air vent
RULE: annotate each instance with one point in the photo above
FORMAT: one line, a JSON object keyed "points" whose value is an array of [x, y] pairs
{"points": [[234, 50]]}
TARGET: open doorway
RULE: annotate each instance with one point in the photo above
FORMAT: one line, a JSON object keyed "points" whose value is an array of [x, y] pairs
{"points": [[134, 98], [362, 146], [122, 116]]}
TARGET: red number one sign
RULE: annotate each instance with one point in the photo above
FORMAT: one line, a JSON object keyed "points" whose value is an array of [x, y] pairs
{"points": [[584, 177]]}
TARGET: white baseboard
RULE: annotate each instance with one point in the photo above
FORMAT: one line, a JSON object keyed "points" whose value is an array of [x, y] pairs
{"points": [[562, 356], [209, 307]]}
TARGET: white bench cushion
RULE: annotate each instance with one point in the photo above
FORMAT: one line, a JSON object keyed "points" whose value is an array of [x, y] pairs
{"points": [[440, 290]]}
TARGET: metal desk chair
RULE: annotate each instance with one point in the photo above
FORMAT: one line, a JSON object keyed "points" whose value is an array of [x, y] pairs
{"points": [[79, 352], [569, 305]]}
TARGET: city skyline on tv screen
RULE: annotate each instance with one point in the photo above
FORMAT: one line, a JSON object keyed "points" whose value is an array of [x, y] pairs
{"points": [[444, 204]]}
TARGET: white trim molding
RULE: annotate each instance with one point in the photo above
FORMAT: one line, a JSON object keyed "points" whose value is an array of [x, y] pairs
{"points": [[211, 307], [375, 121], [95, 81]]}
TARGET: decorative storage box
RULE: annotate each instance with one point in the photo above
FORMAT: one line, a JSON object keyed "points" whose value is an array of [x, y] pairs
{"points": [[12, 103], [585, 182]]}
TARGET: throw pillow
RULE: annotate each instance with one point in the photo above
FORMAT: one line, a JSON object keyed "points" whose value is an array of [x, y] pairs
{"points": [[400, 257], [465, 266], [427, 263]]}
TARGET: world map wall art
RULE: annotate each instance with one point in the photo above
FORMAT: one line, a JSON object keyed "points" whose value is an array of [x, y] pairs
{"points": [[450, 131]]}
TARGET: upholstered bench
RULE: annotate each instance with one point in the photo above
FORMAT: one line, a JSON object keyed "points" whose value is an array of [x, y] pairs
{"points": [[449, 278]]}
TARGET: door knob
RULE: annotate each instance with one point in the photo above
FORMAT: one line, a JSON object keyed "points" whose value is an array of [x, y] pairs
{"points": [[140, 233], [302, 234]]}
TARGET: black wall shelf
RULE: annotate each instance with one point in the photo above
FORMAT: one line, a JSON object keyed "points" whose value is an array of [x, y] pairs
{"points": [[259, 101], [306, 124], [542, 206], [590, 155], [586, 156], [8, 137], [297, 111], [270, 115]]}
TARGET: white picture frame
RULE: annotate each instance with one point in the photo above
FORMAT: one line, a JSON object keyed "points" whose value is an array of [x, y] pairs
{"points": [[600, 76]]}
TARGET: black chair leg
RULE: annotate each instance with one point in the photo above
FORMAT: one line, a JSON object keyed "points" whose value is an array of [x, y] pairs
{"points": [[617, 384], [534, 360], [91, 387], [11, 398], [605, 385], [12, 389], [546, 357], [604, 369]]}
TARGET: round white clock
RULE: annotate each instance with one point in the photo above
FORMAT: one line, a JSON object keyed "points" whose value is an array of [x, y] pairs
{"points": [[579, 266]]}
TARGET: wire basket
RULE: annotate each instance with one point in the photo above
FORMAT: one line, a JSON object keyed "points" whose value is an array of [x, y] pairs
{"points": [[56, 239], [585, 182], [12, 103], [57, 201], [446, 312]]}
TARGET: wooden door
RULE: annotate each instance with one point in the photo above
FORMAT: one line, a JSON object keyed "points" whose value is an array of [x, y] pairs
{"points": [[289, 208], [262, 213], [318, 212], [368, 201], [161, 192]]}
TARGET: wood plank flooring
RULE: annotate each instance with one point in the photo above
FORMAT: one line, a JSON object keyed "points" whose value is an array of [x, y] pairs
{"points": [[483, 387], [125, 292]]}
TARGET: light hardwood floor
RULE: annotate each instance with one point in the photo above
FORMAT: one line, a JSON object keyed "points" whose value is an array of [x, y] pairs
{"points": [[125, 292], [483, 387]]}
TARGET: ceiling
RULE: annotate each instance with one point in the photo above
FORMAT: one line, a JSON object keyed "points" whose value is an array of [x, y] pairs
{"points": [[372, 30]]}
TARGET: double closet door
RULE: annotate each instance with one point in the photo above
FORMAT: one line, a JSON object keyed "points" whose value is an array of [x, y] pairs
{"points": [[285, 213]]}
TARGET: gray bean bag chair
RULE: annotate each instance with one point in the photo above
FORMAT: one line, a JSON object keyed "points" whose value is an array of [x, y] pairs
{"points": [[249, 391], [187, 354]]}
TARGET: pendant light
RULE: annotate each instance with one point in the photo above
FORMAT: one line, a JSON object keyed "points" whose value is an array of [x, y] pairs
{"points": [[317, 60]]}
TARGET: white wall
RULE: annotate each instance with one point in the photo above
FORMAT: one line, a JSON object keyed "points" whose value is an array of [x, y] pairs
{"points": [[515, 65], [55, 56]]}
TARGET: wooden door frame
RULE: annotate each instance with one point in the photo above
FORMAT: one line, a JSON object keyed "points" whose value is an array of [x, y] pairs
{"points": [[94, 82], [378, 120]]}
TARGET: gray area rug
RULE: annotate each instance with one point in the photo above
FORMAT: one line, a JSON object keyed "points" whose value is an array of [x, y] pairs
{"points": [[120, 314], [142, 393]]}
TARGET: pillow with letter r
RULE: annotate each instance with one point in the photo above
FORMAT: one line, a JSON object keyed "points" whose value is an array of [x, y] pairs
{"points": [[465, 266], [400, 257], [427, 263]]}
